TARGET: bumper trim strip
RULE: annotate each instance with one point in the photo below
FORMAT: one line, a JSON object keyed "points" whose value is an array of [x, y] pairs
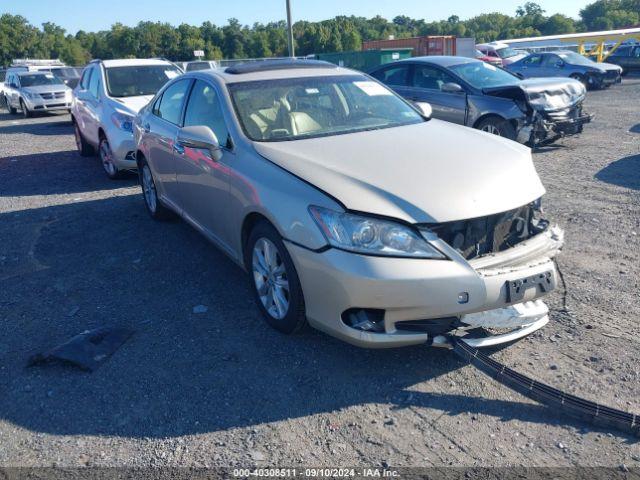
{"points": [[571, 405]]}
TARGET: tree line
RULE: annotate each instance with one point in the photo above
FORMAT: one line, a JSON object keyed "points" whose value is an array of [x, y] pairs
{"points": [[20, 39]]}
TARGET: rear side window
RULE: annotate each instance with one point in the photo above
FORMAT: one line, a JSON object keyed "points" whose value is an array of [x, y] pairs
{"points": [[170, 105], [204, 109], [398, 76], [94, 84], [84, 82]]}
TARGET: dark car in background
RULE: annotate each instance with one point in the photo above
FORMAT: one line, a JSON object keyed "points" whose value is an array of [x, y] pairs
{"points": [[565, 63], [627, 57], [70, 76], [474, 93]]}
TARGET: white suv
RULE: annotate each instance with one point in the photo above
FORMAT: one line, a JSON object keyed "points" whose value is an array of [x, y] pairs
{"points": [[105, 101]]}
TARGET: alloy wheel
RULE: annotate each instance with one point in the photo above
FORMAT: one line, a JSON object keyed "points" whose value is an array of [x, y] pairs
{"points": [[149, 189], [270, 277], [106, 157], [489, 128]]}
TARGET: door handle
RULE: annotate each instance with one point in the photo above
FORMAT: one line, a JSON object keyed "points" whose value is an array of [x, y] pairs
{"points": [[177, 148], [146, 127]]}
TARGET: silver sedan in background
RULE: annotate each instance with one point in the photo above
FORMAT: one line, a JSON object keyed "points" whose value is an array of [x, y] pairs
{"points": [[349, 207]]}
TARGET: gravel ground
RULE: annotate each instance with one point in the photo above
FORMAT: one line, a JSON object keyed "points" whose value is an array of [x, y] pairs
{"points": [[220, 388]]}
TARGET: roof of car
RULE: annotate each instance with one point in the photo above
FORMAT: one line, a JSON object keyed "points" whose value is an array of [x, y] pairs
{"points": [[32, 72], [277, 69], [441, 60], [134, 62]]}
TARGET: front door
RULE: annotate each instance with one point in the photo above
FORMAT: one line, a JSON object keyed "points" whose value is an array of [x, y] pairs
{"points": [[203, 183], [426, 86], [161, 130]]}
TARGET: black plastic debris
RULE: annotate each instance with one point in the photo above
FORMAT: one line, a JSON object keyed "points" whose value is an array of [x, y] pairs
{"points": [[576, 407], [87, 350]]}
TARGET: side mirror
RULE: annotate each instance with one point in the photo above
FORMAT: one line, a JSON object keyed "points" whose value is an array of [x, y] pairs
{"points": [[201, 137], [13, 85], [559, 64], [451, 87], [425, 109]]}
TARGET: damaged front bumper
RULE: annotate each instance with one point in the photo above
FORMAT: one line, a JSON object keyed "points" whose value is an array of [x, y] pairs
{"points": [[543, 128]]}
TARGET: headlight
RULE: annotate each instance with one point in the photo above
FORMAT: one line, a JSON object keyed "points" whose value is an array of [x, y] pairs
{"points": [[371, 236], [123, 121], [31, 96]]}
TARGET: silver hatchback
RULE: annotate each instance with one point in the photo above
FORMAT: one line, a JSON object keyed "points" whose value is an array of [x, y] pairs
{"points": [[349, 207]]}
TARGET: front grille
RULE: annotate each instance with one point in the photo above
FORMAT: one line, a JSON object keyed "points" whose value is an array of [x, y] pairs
{"points": [[491, 234], [611, 74], [52, 95]]}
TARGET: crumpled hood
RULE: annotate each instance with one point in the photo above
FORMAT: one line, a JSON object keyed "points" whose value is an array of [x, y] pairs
{"points": [[46, 89], [423, 173], [547, 94], [134, 104]]}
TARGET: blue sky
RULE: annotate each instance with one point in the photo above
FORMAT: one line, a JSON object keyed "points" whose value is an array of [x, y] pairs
{"points": [[94, 15]]}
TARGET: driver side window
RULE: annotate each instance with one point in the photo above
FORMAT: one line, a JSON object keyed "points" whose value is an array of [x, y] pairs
{"points": [[204, 109], [532, 61], [428, 77]]}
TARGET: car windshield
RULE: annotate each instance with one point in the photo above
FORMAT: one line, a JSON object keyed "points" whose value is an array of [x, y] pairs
{"points": [[296, 108], [138, 80], [483, 75], [66, 72], [575, 59], [507, 52], [37, 79]]}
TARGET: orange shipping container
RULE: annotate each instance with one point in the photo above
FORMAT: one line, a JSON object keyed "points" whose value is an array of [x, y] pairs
{"points": [[427, 45]]}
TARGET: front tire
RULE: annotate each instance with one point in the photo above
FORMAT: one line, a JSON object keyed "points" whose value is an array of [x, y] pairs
{"points": [[106, 159], [156, 210], [276, 286], [498, 126], [26, 113]]}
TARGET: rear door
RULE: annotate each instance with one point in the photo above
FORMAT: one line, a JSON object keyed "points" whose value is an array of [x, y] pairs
{"points": [[161, 130], [10, 91], [426, 86], [203, 183], [81, 97], [634, 59], [92, 106]]}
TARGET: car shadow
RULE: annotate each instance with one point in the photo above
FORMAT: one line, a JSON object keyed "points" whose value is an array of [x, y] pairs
{"points": [[68, 268], [55, 127], [66, 172], [624, 172]]}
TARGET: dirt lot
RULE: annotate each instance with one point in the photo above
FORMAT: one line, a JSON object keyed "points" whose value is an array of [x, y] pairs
{"points": [[78, 251]]}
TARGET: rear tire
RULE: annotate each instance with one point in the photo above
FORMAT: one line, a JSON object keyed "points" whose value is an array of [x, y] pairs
{"points": [[84, 149], [498, 126], [275, 283], [156, 210]]}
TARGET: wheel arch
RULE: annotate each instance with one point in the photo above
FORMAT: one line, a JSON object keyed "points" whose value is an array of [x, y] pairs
{"points": [[248, 223]]}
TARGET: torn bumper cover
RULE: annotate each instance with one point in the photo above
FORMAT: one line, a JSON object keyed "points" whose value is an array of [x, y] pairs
{"points": [[552, 108]]}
